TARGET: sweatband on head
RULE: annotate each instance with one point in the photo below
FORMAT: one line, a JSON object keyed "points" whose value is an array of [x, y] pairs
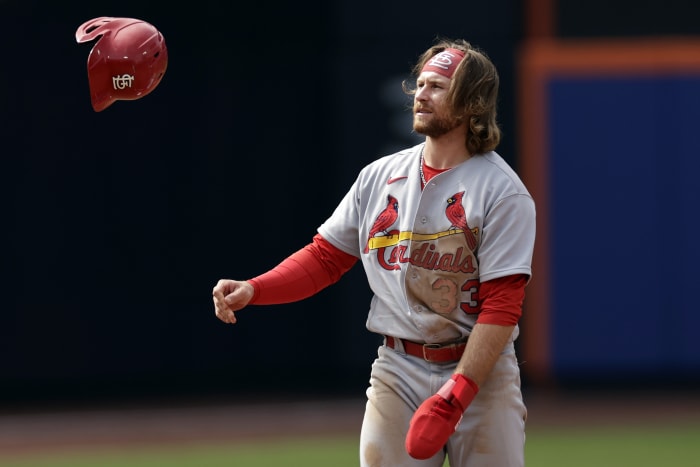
{"points": [[444, 63]]}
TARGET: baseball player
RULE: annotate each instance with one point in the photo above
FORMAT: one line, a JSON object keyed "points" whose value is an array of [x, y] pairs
{"points": [[445, 232]]}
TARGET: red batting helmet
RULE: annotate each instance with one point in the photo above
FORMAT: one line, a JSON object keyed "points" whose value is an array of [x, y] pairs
{"points": [[127, 61]]}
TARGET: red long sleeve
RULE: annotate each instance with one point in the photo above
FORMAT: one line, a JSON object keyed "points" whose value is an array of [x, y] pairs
{"points": [[502, 300], [320, 264], [303, 274]]}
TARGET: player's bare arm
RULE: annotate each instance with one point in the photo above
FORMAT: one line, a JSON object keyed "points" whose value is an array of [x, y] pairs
{"points": [[230, 296], [486, 342]]}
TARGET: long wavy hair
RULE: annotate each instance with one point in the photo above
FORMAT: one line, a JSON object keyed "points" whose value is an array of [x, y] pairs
{"points": [[473, 92]]}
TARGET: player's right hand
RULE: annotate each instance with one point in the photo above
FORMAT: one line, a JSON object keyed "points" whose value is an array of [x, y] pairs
{"points": [[438, 416], [231, 296]]}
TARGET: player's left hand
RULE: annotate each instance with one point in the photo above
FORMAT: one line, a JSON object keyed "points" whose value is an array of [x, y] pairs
{"points": [[437, 418]]}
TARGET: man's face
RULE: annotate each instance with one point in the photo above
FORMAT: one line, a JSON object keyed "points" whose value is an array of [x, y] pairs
{"points": [[430, 115]]}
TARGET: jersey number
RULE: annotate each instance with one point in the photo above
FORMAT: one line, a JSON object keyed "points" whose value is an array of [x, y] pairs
{"points": [[446, 301]]}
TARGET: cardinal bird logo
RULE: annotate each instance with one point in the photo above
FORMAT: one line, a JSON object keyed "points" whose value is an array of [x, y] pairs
{"points": [[455, 214], [385, 219]]}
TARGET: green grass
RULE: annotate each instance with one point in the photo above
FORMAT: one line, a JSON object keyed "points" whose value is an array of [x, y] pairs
{"points": [[597, 447], [334, 452], [615, 447]]}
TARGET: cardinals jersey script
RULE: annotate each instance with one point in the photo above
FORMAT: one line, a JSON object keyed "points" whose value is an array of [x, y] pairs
{"points": [[421, 246]]}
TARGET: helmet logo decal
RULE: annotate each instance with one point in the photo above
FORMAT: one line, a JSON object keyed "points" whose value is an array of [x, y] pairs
{"points": [[122, 81]]}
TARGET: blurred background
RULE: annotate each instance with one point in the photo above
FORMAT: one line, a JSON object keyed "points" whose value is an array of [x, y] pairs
{"points": [[117, 224]]}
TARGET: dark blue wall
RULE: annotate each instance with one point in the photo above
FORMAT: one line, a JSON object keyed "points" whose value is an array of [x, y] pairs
{"points": [[624, 216]]}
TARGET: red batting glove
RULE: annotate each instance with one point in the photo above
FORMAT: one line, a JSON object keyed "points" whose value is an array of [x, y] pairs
{"points": [[438, 416]]}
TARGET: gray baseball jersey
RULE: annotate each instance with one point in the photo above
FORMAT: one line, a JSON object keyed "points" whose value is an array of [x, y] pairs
{"points": [[426, 252]]}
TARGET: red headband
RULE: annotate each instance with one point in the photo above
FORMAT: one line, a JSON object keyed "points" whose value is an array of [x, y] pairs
{"points": [[445, 63]]}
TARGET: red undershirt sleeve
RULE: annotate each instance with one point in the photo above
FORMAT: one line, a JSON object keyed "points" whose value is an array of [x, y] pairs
{"points": [[303, 274], [502, 300]]}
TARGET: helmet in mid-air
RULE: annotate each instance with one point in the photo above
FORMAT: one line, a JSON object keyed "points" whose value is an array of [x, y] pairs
{"points": [[127, 61]]}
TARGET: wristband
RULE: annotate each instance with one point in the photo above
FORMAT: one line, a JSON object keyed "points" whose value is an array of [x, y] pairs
{"points": [[459, 389]]}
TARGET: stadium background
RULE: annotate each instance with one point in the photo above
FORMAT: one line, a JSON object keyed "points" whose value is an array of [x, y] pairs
{"points": [[118, 224]]}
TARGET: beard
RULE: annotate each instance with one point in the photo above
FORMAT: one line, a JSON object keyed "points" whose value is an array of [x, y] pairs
{"points": [[436, 126]]}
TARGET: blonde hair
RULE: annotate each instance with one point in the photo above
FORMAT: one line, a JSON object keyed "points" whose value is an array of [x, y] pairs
{"points": [[473, 93]]}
